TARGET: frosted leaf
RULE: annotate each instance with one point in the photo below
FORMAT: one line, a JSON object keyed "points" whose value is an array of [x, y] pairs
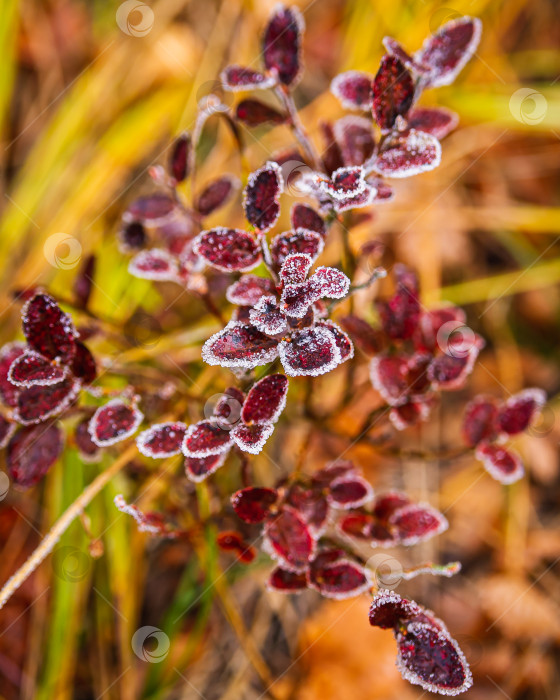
{"points": [[232, 541], [417, 522], [300, 241], [295, 268], [355, 139], [216, 194], [365, 199], [152, 523], [393, 92], [304, 216], [353, 89], [161, 440], [206, 438], [266, 400], [32, 451], [252, 438], [409, 413], [254, 113], [339, 580], [449, 373], [228, 249], [199, 468], [155, 264], [389, 376], [395, 49], [152, 210], [267, 316], [239, 78], [8, 354], [253, 504], [436, 121], [284, 581], [342, 340], [502, 464], [281, 48], [388, 610], [480, 420], [262, 195], [520, 411], [297, 298], [32, 368], [309, 352], [113, 422], [312, 505], [249, 289], [345, 182], [239, 345], [89, 451], [37, 403], [409, 154], [350, 492], [48, 329], [331, 282], [287, 540]]}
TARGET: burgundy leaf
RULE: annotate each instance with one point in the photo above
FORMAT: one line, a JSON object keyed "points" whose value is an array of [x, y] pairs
{"points": [[393, 92], [199, 468], [83, 364], [409, 413], [432, 321], [331, 282], [252, 438], [297, 298], [206, 438], [261, 196], [83, 282], [355, 138], [389, 376], [249, 289], [520, 410], [358, 525], [228, 249], [179, 160], [350, 492], [417, 522], [311, 504], [113, 422], [267, 316], [304, 216], [365, 337], [343, 342], [287, 539], [177, 234], [363, 199], [132, 237], [431, 659], [232, 541], [48, 329], [89, 451], [239, 345], [216, 194], [354, 90], [345, 182], [395, 49], [162, 440], [284, 581], [401, 313], [387, 503], [448, 373], [152, 210], [480, 420], [8, 354], [446, 52], [254, 113], [388, 610], [309, 352], [282, 44], [409, 154], [295, 268], [240, 78], [339, 580], [436, 121], [37, 403], [31, 368], [32, 452], [383, 191], [300, 241], [502, 464], [228, 407], [253, 504], [7, 428], [334, 470], [155, 264], [266, 400]]}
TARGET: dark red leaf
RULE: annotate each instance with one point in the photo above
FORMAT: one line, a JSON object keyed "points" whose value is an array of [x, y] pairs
{"points": [[401, 313], [431, 659], [417, 522], [409, 154], [155, 264], [199, 468], [387, 503], [266, 400], [446, 52], [240, 78], [502, 464], [253, 504], [252, 438], [228, 249], [389, 376], [37, 403], [335, 470], [179, 160], [8, 354], [343, 342], [480, 420], [83, 364], [309, 352], [295, 268], [301, 241], [48, 329], [410, 413], [354, 90], [331, 282], [261, 196], [267, 316], [152, 210], [345, 182], [284, 581], [365, 337], [162, 440], [447, 373], [83, 282], [89, 451], [254, 113], [206, 438], [436, 121], [32, 452], [395, 49], [216, 194], [239, 345], [287, 539], [31, 368], [355, 138], [132, 237], [331, 156], [393, 92], [113, 422], [232, 541], [388, 610], [249, 289], [350, 492], [304, 216], [282, 44], [339, 580], [312, 504], [520, 410]]}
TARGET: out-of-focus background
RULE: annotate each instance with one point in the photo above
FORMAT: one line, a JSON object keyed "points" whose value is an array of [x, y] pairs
{"points": [[91, 94]]}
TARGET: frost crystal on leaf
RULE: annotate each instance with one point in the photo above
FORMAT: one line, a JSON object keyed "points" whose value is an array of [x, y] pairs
{"points": [[354, 90], [249, 289], [282, 44], [267, 316], [32, 368], [48, 329], [409, 154], [205, 439], [32, 452], [502, 464], [287, 539], [113, 422], [199, 468], [393, 92], [155, 264], [253, 504], [240, 78], [228, 249], [436, 121], [36, 403], [239, 345], [309, 352], [161, 440], [261, 196], [252, 438], [301, 241], [266, 400]]}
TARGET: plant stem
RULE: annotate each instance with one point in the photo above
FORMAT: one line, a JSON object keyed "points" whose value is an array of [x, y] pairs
{"points": [[297, 127]]}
